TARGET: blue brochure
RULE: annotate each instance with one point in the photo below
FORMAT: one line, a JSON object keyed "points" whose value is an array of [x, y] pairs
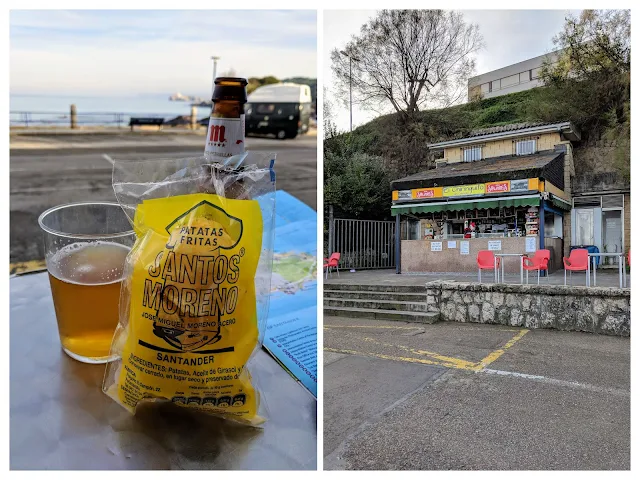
{"points": [[292, 326]]}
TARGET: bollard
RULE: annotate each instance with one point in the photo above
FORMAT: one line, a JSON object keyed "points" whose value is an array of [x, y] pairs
{"points": [[74, 119], [194, 117]]}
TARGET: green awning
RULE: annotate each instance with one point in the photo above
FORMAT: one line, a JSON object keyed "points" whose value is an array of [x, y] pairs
{"points": [[560, 203], [516, 201]]}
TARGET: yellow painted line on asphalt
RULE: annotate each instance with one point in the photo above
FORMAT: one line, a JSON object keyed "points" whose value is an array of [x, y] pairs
{"points": [[373, 326], [452, 362], [24, 267], [496, 354], [389, 357]]}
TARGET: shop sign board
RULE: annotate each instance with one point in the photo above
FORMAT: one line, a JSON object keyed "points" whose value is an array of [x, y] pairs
{"points": [[464, 190], [519, 185], [424, 193], [498, 187], [451, 244], [478, 189], [530, 244], [495, 245], [464, 247], [436, 246]]}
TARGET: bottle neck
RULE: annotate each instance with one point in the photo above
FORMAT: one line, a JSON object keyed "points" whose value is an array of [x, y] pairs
{"points": [[227, 109]]}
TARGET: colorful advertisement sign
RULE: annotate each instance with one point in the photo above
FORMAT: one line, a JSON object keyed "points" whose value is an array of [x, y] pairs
{"points": [[489, 188], [498, 187], [519, 185], [464, 190], [424, 193]]}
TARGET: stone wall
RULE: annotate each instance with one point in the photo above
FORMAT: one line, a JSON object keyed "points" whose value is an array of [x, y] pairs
{"points": [[593, 309]]}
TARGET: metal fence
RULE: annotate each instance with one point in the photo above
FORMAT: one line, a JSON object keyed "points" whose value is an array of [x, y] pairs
{"points": [[32, 119], [363, 243]]}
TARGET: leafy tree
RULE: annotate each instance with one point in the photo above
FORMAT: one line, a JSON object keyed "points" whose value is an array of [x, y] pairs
{"points": [[590, 83], [255, 82], [406, 60], [357, 186]]}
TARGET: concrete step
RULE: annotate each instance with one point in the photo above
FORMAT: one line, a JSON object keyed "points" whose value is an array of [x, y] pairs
{"points": [[375, 288], [364, 295], [375, 314], [377, 304]]}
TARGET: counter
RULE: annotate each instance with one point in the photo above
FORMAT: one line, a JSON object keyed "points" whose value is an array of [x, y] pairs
{"points": [[419, 256]]}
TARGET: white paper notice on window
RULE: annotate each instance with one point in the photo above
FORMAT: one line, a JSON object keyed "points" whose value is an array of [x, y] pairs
{"points": [[464, 247], [436, 246], [531, 244], [495, 245], [451, 244]]}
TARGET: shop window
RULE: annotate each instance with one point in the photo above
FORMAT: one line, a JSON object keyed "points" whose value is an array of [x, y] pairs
{"points": [[472, 154], [495, 85], [525, 76], [485, 88], [612, 201], [525, 147]]}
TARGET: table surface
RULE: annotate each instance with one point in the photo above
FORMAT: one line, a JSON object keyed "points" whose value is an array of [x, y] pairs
{"points": [[619, 254], [60, 419], [510, 254]]}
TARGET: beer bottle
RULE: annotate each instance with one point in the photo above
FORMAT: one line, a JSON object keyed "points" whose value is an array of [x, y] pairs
{"points": [[225, 136]]}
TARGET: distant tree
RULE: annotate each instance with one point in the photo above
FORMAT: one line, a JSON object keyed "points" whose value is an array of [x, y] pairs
{"points": [[330, 128], [596, 41], [255, 82], [590, 83], [408, 60], [357, 186]]}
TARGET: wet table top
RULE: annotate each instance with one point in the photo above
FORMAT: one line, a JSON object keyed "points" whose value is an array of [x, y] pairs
{"points": [[60, 419]]}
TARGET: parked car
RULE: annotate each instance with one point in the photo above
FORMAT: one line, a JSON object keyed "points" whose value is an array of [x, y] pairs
{"points": [[281, 109]]}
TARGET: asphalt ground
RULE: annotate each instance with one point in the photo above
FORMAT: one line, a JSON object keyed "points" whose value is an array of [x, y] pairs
{"points": [[453, 396], [49, 170]]}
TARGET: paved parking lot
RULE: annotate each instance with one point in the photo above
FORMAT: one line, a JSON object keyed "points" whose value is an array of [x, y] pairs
{"points": [[461, 396], [49, 170]]}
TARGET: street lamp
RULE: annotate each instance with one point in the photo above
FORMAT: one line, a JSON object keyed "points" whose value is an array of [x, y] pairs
{"points": [[351, 58], [215, 66]]}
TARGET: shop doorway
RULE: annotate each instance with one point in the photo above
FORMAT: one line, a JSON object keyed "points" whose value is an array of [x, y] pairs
{"points": [[613, 233]]}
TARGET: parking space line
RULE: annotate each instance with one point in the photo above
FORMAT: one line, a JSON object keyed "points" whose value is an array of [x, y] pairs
{"points": [[374, 326], [496, 354], [390, 357], [562, 383], [453, 362]]}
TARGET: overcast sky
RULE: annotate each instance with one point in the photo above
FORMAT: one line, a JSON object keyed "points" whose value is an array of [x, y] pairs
{"points": [[128, 51], [510, 36]]}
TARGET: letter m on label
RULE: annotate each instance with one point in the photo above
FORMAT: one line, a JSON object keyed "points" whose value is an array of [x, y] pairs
{"points": [[152, 294], [217, 133]]}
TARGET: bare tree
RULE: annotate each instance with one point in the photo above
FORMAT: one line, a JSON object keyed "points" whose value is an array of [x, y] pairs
{"points": [[408, 58]]}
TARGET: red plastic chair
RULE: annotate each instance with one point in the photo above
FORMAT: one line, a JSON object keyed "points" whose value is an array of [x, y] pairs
{"points": [[629, 257], [486, 260], [539, 261], [331, 262], [578, 261]]}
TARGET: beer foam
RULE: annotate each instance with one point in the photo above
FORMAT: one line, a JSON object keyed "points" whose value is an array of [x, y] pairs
{"points": [[96, 263]]}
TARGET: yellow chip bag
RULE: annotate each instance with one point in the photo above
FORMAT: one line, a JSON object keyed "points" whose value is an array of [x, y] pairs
{"points": [[191, 311]]}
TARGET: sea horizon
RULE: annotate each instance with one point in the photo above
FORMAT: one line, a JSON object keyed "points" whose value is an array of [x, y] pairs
{"points": [[41, 109]]}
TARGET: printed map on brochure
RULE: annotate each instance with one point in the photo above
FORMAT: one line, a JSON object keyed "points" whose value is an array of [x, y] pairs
{"points": [[291, 334]]}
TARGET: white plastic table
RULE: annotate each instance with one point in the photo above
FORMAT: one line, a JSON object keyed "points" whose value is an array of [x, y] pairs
{"points": [[622, 271], [495, 265]]}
